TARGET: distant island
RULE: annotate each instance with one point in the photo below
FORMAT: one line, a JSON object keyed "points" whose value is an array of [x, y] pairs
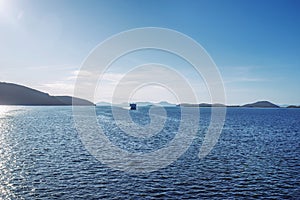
{"points": [[258, 104], [202, 105], [261, 104], [14, 94], [293, 106], [140, 104]]}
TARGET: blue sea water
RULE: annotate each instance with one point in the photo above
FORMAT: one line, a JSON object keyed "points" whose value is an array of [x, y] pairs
{"points": [[42, 157]]}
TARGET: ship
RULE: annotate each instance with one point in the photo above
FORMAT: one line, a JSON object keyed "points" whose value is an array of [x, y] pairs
{"points": [[132, 106]]}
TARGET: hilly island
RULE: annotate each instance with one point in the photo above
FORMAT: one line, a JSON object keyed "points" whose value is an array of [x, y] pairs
{"points": [[13, 94], [258, 104]]}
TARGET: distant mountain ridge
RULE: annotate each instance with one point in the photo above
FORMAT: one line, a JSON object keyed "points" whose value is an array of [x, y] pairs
{"points": [[140, 104], [293, 106], [258, 104], [14, 94], [103, 103], [202, 105], [261, 104], [166, 104]]}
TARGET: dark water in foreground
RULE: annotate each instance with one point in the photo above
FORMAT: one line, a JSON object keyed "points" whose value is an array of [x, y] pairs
{"points": [[257, 156]]}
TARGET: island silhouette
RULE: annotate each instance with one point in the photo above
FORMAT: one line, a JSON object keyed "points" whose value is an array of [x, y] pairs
{"points": [[14, 94]]}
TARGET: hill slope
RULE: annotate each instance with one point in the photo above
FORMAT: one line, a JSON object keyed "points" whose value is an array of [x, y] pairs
{"points": [[261, 104], [13, 94]]}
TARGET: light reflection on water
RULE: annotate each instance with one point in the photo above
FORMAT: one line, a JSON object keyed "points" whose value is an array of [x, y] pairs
{"points": [[42, 157], [6, 156]]}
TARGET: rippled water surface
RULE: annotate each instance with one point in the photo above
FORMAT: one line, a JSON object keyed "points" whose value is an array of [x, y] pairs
{"points": [[257, 156]]}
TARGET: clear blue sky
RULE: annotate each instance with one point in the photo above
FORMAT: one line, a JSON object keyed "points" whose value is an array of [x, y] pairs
{"points": [[255, 44]]}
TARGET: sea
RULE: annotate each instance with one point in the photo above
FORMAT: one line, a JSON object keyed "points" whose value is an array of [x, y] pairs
{"points": [[42, 156]]}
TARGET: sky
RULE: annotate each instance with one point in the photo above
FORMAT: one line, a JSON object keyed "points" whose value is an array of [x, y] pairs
{"points": [[254, 44]]}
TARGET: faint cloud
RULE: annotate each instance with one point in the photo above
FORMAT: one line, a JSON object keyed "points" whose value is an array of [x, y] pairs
{"points": [[146, 76], [20, 15], [112, 76], [234, 74], [245, 79], [52, 67]]}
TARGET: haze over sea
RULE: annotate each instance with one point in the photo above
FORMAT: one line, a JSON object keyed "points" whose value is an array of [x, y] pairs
{"points": [[190, 53], [257, 156]]}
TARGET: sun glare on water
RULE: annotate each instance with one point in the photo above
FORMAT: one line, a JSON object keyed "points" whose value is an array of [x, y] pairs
{"points": [[5, 151], [3, 109]]}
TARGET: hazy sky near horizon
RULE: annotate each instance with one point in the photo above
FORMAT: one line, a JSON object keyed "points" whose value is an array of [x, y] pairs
{"points": [[255, 44]]}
